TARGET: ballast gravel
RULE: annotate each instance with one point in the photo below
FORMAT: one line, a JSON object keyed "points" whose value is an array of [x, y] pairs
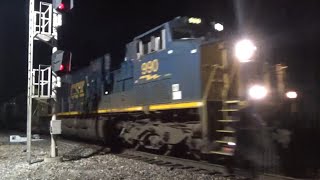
{"points": [[81, 161]]}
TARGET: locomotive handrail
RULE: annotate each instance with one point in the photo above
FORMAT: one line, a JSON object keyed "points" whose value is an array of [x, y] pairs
{"points": [[209, 82]]}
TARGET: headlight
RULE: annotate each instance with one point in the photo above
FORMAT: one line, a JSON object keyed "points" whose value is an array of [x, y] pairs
{"points": [[194, 20], [292, 95], [218, 27], [257, 92], [244, 50]]}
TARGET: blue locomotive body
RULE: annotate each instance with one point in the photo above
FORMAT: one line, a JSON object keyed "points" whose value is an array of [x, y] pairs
{"points": [[159, 68], [173, 89], [159, 77], [172, 73], [79, 91]]}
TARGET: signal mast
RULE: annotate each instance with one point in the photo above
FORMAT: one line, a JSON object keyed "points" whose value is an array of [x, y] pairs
{"points": [[43, 81]]}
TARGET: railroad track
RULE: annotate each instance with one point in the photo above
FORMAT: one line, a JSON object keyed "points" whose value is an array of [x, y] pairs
{"points": [[181, 163], [203, 167]]}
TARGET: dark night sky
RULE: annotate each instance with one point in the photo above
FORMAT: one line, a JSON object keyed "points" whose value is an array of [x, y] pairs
{"points": [[288, 29]]}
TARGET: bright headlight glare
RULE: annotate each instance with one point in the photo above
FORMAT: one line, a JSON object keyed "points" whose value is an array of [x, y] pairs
{"points": [[291, 94], [257, 92], [244, 50], [218, 27]]}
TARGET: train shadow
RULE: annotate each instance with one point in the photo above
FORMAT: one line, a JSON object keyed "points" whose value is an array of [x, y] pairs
{"points": [[77, 153]]}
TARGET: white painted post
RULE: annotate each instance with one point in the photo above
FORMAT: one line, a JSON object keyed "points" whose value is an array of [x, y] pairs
{"points": [[53, 136]]}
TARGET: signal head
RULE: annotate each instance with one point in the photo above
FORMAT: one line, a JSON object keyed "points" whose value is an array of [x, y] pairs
{"points": [[62, 6], [61, 61]]}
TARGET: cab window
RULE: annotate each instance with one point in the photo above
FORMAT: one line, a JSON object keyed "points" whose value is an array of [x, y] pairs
{"points": [[150, 43]]}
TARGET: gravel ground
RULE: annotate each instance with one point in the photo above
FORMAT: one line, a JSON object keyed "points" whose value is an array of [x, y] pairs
{"points": [[81, 161]]}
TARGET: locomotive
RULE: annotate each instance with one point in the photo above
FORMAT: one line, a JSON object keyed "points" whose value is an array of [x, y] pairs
{"points": [[186, 88], [179, 89]]}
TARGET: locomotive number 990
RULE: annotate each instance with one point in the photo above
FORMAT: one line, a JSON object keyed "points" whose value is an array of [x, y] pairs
{"points": [[150, 67]]}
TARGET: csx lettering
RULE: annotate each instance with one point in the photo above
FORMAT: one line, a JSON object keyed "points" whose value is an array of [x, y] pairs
{"points": [[150, 67], [77, 90]]}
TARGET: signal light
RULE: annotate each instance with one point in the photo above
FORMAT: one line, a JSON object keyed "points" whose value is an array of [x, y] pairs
{"points": [[61, 61], [66, 62], [61, 67], [61, 6]]}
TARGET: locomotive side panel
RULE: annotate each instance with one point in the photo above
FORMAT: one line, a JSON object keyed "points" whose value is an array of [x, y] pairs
{"points": [[158, 74], [81, 91]]}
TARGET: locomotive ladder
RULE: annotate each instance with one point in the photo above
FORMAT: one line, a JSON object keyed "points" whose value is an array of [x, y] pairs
{"points": [[226, 141]]}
